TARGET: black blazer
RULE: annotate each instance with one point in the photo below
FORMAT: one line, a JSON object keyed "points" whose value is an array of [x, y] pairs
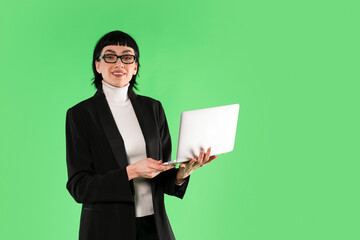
{"points": [[96, 163]]}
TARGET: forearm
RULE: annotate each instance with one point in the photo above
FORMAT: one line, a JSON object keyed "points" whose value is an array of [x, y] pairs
{"points": [[92, 188], [168, 182]]}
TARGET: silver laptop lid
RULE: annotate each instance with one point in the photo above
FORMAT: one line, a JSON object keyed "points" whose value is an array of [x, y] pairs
{"points": [[210, 127]]}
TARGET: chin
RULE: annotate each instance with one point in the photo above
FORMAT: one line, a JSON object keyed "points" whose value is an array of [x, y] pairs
{"points": [[123, 84], [118, 83]]}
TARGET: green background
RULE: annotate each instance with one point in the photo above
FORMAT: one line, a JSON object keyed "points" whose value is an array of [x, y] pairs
{"points": [[293, 66]]}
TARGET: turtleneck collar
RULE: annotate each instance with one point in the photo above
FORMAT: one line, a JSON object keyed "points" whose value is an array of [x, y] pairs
{"points": [[115, 94]]}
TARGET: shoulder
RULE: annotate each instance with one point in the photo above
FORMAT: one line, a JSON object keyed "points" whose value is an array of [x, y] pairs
{"points": [[82, 108], [150, 103], [147, 100], [153, 106]]}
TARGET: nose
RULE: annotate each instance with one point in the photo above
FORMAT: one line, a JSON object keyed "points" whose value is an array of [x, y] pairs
{"points": [[119, 63]]}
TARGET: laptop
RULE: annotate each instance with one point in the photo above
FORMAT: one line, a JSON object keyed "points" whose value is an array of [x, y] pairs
{"points": [[210, 127]]}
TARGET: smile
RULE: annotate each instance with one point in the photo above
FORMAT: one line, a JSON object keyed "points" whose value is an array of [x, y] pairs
{"points": [[118, 73]]}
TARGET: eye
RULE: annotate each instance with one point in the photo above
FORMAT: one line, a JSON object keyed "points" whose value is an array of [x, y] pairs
{"points": [[110, 56]]}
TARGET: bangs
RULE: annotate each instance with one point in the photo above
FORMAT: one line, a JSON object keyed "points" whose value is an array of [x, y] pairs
{"points": [[116, 38]]}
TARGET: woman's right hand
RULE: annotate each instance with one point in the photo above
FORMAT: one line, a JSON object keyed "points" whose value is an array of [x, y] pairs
{"points": [[146, 168]]}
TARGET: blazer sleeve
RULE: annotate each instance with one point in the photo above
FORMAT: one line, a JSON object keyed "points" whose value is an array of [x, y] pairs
{"points": [[168, 178], [84, 184]]}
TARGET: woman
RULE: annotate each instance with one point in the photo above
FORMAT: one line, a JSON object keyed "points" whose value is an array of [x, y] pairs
{"points": [[116, 142]]}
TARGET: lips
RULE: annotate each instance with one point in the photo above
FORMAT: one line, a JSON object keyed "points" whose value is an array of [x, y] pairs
{"points": [[118, 74]]}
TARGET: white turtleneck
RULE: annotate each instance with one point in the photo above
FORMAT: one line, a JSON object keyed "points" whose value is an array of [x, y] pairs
{"points": [[129, 128]]}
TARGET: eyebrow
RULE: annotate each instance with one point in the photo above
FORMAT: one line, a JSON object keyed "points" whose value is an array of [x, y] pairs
{"points": [[125, 51], [110, 51]]}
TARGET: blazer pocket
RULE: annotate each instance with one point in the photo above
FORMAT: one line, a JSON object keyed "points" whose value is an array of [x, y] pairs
{"points": [[102, 207]]}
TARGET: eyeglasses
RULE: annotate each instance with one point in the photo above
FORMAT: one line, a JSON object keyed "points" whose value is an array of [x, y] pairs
{"points": [[112, 58]]}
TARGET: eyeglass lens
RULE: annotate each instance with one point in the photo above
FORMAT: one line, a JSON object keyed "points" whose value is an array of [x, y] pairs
{"points": [[112, 58]]}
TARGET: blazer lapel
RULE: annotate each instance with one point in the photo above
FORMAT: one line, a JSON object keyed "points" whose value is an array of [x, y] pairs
{"points": [[148, 128], [111, 131], [146, 122]]}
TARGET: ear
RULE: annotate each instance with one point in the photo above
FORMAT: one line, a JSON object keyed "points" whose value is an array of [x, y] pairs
{"points": [[97, 65], [135, 68]]}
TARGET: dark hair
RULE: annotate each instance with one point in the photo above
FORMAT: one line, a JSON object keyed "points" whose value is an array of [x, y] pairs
{"points": [[115, 38]]}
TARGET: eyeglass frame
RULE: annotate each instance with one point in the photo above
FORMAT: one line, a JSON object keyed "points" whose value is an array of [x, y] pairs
{"points": [[117, 57]]}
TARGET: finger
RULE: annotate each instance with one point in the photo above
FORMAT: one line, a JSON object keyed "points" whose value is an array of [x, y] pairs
{"points": [[153, 160], [155, 163], [212, 158], [161, 168], [207, 155], [188, 164], [165, 168], [158, 162], [185, 165], [201, 156], [192, 163]]}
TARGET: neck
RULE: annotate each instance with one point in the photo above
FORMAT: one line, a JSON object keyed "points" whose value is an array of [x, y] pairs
{"points": [[115, 94]]}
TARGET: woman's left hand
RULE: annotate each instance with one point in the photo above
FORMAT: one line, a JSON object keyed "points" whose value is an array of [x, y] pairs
{"points": [[187, 168]]}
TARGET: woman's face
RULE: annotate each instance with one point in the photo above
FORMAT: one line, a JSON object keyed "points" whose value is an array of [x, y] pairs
{"points": [[116, 74]]}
